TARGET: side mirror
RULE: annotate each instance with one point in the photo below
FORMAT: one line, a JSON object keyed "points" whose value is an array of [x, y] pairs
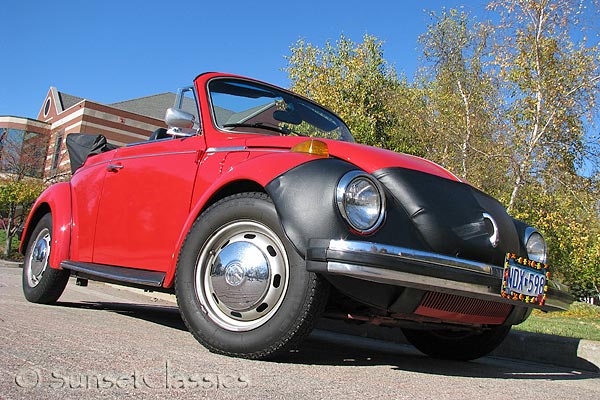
{"points": [[177, 118]]}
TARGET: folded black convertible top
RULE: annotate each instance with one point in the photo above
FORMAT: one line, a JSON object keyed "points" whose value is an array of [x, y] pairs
{"points": [[81, 145]]}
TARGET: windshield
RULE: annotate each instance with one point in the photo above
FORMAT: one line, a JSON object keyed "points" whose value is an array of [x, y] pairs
{"points": [[244, 106]]}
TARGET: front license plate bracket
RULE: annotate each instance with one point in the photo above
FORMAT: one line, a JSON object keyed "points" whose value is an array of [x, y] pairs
{"points": [[525, 280]]}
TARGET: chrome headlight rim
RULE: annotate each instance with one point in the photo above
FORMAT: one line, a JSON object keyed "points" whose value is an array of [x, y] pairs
{"points": [[344, 183], [532, 234]]}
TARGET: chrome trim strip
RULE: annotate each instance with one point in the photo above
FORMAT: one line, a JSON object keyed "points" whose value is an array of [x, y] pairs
{"points": [[225, 149], [411, 255], [245, 148], [170, 153], [387, 276], [494, 239]]}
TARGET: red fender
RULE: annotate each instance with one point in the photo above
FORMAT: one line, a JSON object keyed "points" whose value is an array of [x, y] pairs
{"points": [[56, 200], [255, 169]]}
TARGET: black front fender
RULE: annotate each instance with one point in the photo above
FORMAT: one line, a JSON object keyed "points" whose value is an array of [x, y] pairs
{"points": [[305, 201]]}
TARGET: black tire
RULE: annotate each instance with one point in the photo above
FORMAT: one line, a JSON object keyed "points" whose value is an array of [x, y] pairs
{"points": [[241, 287], [41, 283], [457, 345]]}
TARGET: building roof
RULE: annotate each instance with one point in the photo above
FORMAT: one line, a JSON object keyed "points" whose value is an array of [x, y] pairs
{"points": [[67, 100], [153, 106]]}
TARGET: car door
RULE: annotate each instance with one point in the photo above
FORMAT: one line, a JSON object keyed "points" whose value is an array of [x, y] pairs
{"points": [[145, 200], [86, 191]]}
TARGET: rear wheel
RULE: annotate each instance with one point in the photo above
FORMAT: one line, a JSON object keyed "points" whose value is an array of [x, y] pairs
{"points": [[457, 345], [241, 287], [42, 283]]}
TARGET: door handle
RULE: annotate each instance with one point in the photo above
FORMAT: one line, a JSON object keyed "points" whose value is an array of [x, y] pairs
{"points": [[114, 167]]}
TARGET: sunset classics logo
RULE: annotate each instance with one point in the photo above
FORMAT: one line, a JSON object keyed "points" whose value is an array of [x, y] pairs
{"points": [[166, 378]]}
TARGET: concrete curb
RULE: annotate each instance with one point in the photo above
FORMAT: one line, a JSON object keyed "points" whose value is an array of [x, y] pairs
{"points": [[12, 264], [566, 352]]}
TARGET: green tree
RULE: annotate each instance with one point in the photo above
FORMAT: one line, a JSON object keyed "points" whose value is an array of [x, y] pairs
{"points": [[571, 226], [355, 81], [509, 107], [16, 197], [22, 156]]}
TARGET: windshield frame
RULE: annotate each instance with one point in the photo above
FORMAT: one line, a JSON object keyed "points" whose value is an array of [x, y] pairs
{"points": [[311, 108]]}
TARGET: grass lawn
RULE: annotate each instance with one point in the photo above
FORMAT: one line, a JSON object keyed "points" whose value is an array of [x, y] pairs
{"points": [[582, 321]]}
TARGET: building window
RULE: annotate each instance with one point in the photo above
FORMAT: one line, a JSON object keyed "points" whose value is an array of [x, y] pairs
{"points": [[35, 146], [47, 107], [22, 153], [57, 150]]}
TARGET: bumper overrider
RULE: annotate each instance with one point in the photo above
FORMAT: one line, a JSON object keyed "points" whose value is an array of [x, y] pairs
{"points": [[417, 269]]}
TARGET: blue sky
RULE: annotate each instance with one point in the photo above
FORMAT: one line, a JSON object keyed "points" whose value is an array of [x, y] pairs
{"points": [[110, 50]]}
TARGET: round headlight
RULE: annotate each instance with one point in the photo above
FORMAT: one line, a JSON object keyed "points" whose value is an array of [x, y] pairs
{"points": [[535, 245], [361, 201]]}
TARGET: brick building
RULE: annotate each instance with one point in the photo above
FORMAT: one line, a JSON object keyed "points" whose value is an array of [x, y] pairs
{"points": [[38, 146]]}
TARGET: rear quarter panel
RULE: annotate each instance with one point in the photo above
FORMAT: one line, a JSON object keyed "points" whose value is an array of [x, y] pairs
{"points": [[56, 200]]}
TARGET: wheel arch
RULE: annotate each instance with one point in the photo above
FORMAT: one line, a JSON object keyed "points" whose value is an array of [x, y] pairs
{"points": [[231, 188], [55, 200], [304, 198], [208, 199], [34, 217]]}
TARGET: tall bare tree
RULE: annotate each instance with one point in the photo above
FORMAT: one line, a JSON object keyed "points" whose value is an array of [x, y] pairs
{"points": [[462, 96]]}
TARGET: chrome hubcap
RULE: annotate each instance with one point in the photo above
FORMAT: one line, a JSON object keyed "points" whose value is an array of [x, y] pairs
{"points": [[37, 262], [242, 275]]}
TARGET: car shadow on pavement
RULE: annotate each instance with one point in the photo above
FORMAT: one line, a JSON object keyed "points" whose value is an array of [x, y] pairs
{"points": [[166, 315], [334, 349], [324, 347]]}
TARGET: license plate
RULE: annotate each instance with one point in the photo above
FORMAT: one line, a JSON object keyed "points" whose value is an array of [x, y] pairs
{"points": [[525, 280]]}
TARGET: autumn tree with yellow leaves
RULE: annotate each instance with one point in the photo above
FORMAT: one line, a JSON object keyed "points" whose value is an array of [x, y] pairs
{"points": [[510, 107]]}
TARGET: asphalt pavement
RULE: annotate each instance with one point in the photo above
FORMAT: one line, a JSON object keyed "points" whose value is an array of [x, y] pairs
{"points": [[519, 345], [105, 341]]}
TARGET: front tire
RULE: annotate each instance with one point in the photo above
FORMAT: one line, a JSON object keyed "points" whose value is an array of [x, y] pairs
{"points": [[41, 283], [457, 345], [241, 287]]}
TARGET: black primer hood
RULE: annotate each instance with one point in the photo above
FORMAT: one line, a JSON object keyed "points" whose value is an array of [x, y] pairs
{"points": [[449, 215]]}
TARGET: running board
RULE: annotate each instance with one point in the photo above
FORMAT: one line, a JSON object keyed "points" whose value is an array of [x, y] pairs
{"points": [[111, 273]]}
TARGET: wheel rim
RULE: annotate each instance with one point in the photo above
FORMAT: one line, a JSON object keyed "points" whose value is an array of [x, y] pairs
{"points": [[37, 261], [242, 275]]}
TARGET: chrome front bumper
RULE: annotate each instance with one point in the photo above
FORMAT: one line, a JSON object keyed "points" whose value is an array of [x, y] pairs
{"points": [[399, 266]]}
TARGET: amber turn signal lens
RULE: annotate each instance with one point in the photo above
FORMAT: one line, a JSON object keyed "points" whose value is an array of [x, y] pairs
{"points": [[312, 147]]}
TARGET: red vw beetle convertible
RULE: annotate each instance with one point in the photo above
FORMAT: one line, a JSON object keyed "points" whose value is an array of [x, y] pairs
{"points": [[258, 210]]}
